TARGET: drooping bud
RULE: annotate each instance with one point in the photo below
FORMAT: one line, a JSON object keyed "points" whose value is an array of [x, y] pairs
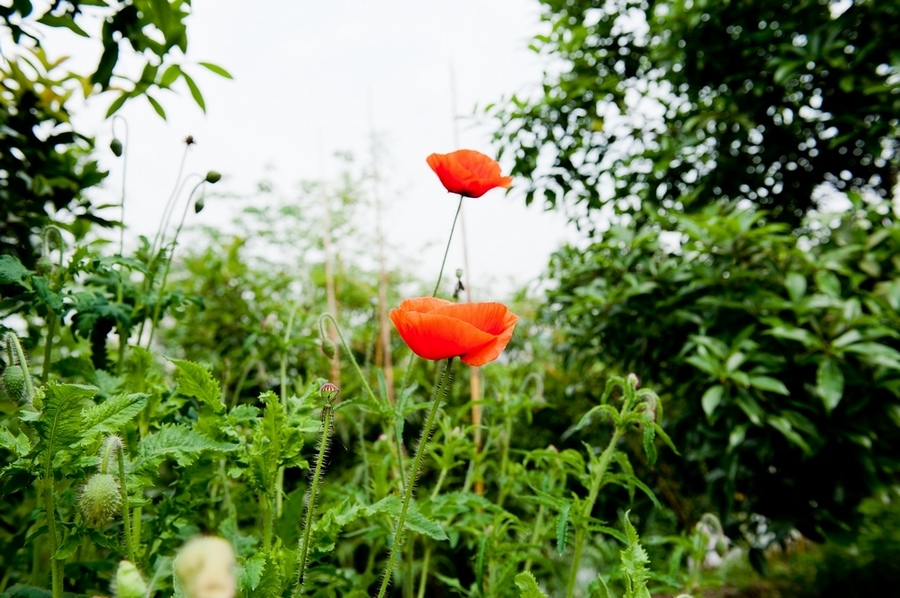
{"points": [[44, 265], [198, 205], [116, 146], [329, 391], [100, 499], [327, 347], [634, 380], [111, 444], [213, 177], [204, 568], [459, 272], [14, 383], [129, 581]]}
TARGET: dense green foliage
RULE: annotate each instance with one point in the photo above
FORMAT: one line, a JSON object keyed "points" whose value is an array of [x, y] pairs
{"points": [[679, 104]]}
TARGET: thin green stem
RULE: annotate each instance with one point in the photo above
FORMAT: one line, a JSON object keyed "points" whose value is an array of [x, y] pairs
{"points": [[266, 512], [279, 479], [596, 483], [48, 345], [423, 576], [327, 414], [447, 249], [126, 518], [49, 507], [347, 350], [413, 474]]}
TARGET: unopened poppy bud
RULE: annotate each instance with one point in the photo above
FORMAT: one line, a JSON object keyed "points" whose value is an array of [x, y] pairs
{"points": [[633, 380], [100, 499], [129, 583], [329, 391], [213, 177], [721, 547], [44, 265], [14, 383], [459, 272], [198, 205], [116, 146], [189, 140], [327, 348]]}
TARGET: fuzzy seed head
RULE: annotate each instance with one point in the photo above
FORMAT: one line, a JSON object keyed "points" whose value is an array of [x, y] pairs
{"points": [[14, 383], [129, 582], [100, 499]]}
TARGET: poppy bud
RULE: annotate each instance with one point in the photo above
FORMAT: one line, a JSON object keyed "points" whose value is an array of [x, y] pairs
{"points": [[633, 380], [14, 383], [721, 546], [198, 205], [116, 146], [327, 348], [329, 391], [459, 272], [129, 583], [100, 499], [189, 140], [213, 177], [44, 265]]}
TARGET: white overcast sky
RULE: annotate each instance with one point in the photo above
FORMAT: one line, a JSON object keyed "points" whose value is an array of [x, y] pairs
{"points": [[312, 78]]}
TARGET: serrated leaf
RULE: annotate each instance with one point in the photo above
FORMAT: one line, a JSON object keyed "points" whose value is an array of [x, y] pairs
{"points": [[634, 563], [830, 383], [415, 521], [562, 528], [196, 381], [528, 587], [176, 442], [59, 425], [109, 416], [252, 571], [216, 69], [12, 271]]}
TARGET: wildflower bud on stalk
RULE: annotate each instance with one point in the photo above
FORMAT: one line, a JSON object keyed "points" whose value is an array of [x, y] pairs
{"points": [[198, 205], [14, 383], [100, 499], [116, 146], [213, 177], [44, 265], [327, 347], [634, 380], [129, 583], [329, 391]]}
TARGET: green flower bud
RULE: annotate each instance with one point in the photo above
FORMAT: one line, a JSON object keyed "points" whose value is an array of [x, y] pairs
{"points": [[14, 383], [213, 177], [100, 499], [328, 348], [459, 272], [198, 205], [44, 265], [129, 582], [116, 146]]}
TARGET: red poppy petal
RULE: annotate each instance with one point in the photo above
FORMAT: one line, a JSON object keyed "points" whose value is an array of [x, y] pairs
{"points": [[437, 337], [492, 350], [488, 317], [424, 304]]}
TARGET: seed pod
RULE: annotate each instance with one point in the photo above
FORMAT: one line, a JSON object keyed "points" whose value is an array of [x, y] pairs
{"points": [[100, 499], [116, 146], [129, 582], [14, 383]]}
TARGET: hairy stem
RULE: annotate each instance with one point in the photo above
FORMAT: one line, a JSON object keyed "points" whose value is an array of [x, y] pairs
{"points": [[596, 483], [447, 249], [126, 518], [327, 414], [53, 539], [413, 474]]}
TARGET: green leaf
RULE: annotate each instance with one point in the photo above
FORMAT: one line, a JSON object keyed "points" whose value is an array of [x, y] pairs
{"points": [[783, 425], [59, 426], [830, 383], [169, 76], [528, 587], [828, 283], [109, 416], [796, 286], [195, 381], [634, 563], [62, 21], [562, 527], [252, 571], [711, 399], [195, 91], [177, 442], [156, 106], [117, 103], [216, 69], [769, 384], [12, 271]]}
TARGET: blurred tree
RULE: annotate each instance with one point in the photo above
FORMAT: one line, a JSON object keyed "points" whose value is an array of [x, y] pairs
{"points": [[669, 104]]}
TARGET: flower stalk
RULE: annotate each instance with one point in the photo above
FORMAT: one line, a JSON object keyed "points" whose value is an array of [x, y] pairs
{"points": [[439, 393]]}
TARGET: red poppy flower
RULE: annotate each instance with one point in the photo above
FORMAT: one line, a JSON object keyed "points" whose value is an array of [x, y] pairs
{"points": [[438, 329], [467, 172]]}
